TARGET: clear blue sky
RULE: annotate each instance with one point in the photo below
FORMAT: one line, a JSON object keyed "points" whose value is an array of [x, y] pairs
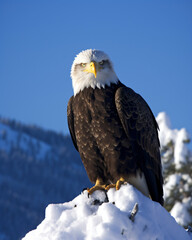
{"points": [[149, 42]]}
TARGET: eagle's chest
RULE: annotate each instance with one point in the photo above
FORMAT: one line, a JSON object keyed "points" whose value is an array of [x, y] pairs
{"points": [[96, 111], [97, 124]]}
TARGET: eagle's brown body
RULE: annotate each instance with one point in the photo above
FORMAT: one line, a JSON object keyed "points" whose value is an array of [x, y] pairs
{"points": [[116, 135]]}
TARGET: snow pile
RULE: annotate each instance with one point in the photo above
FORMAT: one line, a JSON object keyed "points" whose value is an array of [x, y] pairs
{"points": [[107, 216]]}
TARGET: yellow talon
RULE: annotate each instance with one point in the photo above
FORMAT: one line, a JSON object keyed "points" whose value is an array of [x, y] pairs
{"points": [[95, 188], [118, 184], [98, 186], [112, 185]]}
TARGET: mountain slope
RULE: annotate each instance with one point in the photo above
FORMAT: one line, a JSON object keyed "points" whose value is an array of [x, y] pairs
{"points": [[37, 167]]}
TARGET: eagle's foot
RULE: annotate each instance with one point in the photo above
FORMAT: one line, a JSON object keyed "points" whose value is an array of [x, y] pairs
{"points": [[112, 185], [95, 188], [98, 186], [117, 185], [120, 182]]}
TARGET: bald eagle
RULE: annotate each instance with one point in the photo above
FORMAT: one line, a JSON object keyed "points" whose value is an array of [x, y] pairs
{"points": [[113, 128]]}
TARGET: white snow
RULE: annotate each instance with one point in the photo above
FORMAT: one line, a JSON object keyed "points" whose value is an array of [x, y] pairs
{"points": [[106, 216], [181, 150], [180, 213], [173, 180]]}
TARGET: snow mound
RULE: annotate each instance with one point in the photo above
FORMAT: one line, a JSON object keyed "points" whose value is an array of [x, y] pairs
{"points": [[106, 216]]}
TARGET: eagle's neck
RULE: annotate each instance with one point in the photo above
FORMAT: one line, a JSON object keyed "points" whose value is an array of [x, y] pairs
{"points": [[83, 81]]}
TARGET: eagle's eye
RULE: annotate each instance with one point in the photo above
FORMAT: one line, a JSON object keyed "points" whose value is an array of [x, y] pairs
{"points": [[83, 64], [101, 63]]}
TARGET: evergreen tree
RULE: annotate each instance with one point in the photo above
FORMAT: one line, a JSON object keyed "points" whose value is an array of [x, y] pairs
{"points": [[177, 172]]}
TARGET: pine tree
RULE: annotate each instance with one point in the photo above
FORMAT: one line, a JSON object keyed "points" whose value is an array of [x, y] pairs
{"points": [[178, 182]]}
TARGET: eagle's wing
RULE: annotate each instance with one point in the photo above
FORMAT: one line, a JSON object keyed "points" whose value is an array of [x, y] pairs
{"points": [[141, 129], [70, 119]]}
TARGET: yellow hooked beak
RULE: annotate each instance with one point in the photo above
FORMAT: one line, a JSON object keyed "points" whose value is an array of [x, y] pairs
{"points": [[91, 68]]}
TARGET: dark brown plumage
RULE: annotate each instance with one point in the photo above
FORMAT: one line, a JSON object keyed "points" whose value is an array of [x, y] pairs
{"points": [[116, 135]]}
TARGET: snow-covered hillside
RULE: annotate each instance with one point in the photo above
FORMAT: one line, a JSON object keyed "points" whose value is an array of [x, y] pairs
{"points": [[107, 216], [10, 139], [37, 167]]}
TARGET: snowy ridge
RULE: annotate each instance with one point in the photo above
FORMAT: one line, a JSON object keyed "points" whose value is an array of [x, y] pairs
{"points": [[105, 216], [10, 139], [37, 167]]}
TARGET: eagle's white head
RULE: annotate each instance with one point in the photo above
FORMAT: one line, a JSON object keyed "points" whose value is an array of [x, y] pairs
{"points": [[92, 68]]}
